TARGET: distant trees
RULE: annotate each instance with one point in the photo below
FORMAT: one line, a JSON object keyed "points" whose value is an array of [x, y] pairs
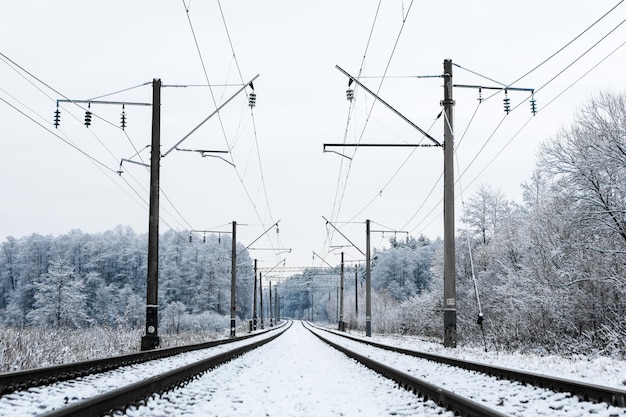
{"points": [[550, 270], [403, 270], [79, 279]]}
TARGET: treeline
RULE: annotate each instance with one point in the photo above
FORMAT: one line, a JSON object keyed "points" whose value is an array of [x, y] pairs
{"points": [[546, 273], [78, 279], [550, 272]]}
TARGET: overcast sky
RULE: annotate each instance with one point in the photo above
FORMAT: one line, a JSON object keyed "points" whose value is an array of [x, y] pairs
{"points": [[85, 50]]}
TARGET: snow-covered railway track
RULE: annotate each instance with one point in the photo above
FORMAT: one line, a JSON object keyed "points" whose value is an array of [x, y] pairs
{"points": [[22, 380], [63, 387], [296, 375], [510, 391]]}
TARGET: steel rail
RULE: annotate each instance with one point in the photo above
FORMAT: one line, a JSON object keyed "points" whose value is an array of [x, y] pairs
{"points": [[456, 403], [21, 380], [584, 391], [136, 394]]}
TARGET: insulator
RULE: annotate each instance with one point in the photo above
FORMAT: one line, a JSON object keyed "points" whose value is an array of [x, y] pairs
{"points": [[507, 102], [533, 105], [480, 95], [88, 116], [189, 238], [123, 123], [57, 117], [350, 94], [203, 238], [252, 100]]}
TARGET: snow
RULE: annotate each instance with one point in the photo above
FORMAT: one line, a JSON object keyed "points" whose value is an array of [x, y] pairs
{"points": [[298, 375], [37, 400], [593, 369], [512, 398]]}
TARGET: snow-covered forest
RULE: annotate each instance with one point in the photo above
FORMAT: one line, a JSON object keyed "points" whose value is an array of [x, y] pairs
{"points": [[549, 271], [79, 280]]}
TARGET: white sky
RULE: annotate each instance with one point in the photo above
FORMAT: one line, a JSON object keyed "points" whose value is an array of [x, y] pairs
{"points": [[85, 50]]}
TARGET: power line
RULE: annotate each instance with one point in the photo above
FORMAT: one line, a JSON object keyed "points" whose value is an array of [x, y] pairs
{"points": [[15, 65], [488, 164], [67, 142], [540, 88], [395, 174], [555, 53], [569, 43], [499, 124], [582, 55], [101, 165], [256, 140], [335, 214], [239, 176], [120, 91], [546, 105], [337, 201]]}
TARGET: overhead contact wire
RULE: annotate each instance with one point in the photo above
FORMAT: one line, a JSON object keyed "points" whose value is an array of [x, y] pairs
{"points": [[256, 140]]}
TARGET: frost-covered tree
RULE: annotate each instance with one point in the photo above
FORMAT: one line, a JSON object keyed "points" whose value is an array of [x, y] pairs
{"points": [[131, 313], [581, 219], [587, 162], [102, 299], [483, 211], [403, 269], [59, 297], [173, 316], [28, 262]]}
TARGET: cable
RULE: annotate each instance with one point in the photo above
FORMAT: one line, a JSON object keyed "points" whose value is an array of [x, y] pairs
{"points": [[59, 137], [239, 176], [582, 55], [120, 91], [230, 42], [568, 44], [405, 16], [500, 123], [256, 139], [432, 190], [488, 164], [482, 76], [546, 105], [338, 189], [537, 90], [584, 75], [395, 174], [99, 164], [540, 88], [469, 251]]}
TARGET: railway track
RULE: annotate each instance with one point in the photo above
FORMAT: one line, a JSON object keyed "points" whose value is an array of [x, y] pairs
{"points": [[32, 391], [607, 400], [299, 375], [21, 380]]}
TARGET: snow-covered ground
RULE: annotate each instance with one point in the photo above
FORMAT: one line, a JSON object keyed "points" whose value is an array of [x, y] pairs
{"points": [[595, 369], [298, 375], [295, 375], [509, 397], [38, 400]]}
